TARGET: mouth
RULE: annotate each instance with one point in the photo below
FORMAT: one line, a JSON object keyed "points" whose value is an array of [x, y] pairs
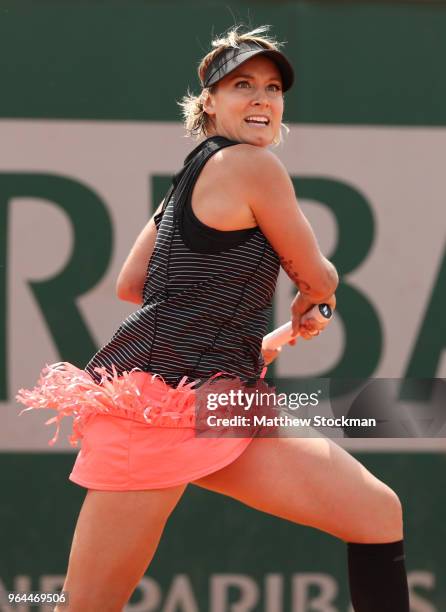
{"points": [[257, 121]]}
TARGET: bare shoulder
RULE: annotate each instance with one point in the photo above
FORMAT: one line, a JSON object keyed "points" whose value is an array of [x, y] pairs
{"points": [[249, 166], [256, 180], [246, 158]]}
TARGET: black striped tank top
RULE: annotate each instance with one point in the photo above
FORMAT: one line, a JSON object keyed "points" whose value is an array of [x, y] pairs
{"points": [[207, 296]]}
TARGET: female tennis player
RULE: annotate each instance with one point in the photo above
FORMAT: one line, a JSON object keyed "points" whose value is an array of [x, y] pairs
{"points": [[203, 272]]}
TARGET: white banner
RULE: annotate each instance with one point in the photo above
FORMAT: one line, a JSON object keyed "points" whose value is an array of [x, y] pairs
{"points": [[399, 171]]}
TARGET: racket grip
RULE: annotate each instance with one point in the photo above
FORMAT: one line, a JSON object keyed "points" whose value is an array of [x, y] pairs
{"points": [[283, 334]]}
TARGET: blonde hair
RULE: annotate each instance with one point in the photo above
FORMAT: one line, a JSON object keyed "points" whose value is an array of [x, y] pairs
{"points": [[196, 120]]}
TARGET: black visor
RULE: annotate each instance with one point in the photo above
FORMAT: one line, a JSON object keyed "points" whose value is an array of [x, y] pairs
{"points": [[230, 59]]}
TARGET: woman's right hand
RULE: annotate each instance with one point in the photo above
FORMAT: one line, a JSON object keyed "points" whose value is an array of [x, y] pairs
{"points": [[311, 327]]}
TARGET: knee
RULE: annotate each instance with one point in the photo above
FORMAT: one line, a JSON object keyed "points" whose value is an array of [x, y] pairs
{"points": [[389, 517]]}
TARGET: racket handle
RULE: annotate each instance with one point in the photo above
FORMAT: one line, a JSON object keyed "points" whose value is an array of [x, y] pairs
{"points": [[283, 334]]}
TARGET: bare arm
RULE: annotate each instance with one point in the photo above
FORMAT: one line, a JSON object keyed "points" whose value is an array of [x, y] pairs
{"points": [[133, 273], [271, 196]]}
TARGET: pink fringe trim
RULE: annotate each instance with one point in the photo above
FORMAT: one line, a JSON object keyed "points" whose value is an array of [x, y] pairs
{"points": [[72, 392]]}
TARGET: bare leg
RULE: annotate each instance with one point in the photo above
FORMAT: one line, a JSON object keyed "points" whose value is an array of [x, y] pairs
{"points": [[116, 536], [313, 482]]}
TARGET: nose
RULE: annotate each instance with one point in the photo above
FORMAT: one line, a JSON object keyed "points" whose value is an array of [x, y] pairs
{"points": [[260, 97]]}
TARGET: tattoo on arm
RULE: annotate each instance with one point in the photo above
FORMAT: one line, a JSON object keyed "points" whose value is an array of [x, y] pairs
{"points": [[287, 265]]}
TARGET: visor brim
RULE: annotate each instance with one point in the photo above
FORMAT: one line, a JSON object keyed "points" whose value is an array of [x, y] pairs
{"points": [[239, 57]]}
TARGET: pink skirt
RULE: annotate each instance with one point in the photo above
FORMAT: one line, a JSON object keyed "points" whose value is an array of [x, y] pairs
{"points": [[136, 431]]}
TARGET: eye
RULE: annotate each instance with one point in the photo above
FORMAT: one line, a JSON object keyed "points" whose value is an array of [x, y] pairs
{"points": [[274, 87], [242, 84]]}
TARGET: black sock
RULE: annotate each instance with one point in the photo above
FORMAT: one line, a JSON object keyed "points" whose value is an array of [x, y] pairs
{"points": [[377, 575]]}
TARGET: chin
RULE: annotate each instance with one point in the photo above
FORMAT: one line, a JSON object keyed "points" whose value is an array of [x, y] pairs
{"points": [[263, 142], [259, 140]]}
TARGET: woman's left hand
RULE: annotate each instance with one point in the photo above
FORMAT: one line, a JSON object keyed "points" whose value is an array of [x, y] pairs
{"points": [[270, 354], [308, 330]]}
